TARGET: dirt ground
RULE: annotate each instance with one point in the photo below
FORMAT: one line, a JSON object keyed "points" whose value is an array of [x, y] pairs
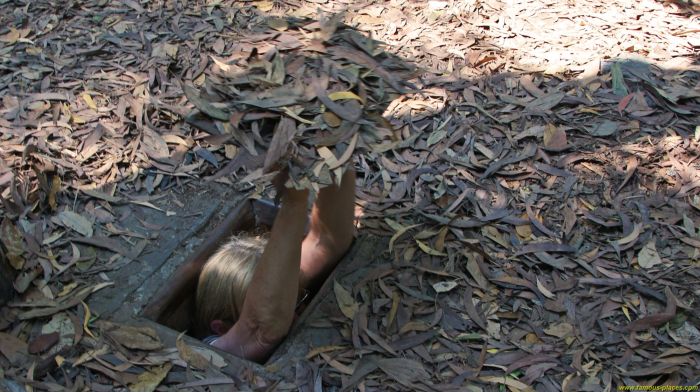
{"points": [[538, 203]]}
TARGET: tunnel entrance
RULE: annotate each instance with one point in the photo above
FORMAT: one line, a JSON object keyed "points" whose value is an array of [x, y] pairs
{"points": [[174, 304]]}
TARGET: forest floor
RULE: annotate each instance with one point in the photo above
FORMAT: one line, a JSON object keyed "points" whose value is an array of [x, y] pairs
{"points": [[542, 196]]}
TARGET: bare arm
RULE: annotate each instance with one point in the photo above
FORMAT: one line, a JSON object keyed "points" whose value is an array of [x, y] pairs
{"points": [[268, 308], [331, 230]]}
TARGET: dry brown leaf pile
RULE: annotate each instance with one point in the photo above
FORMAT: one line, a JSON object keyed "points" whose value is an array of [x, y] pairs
{"points": [[305, 95]]}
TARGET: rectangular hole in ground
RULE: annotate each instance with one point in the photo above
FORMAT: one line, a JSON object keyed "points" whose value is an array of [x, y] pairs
{"points": [[173, 305]]}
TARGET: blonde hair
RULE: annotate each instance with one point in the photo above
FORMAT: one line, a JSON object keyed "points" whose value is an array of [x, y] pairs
{"points": [[224, 280]]}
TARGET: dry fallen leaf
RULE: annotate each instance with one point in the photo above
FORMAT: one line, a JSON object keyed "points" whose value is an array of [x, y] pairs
{"points": [[12, 239], [13, 348], [505, 380], [153, 145], [632, 236], [190, 355], [290, 88], [331, 119], [14, 35], [405, 371], [61, 324], [525, 231], [211, 356], [443, 287], [138, 338], [149, 380], [554, 137], [544, 290], [278, 24], [89, 101], [76, 222], [263, 5], [427, 249], [648, 257], [560, 330], [346, 303], [230, 151]]}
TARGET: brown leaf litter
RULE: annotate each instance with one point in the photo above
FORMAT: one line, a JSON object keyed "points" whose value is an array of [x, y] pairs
{"points": [[538, 190]]}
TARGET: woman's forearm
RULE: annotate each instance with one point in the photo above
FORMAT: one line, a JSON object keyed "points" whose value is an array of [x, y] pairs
{"points": [[331, 229], [334, 210], [268, 308], [272, 292]]}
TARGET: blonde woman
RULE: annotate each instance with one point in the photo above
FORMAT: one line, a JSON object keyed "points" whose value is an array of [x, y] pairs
{"points": [[248, 291]]}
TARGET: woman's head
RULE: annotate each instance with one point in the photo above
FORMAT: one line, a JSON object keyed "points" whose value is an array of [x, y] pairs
{"points": [[224, 280]]}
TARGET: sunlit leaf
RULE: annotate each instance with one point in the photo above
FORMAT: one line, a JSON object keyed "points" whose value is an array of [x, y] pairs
{"points": [[344, 95], [427, 249], [444, 287], [648, 257]]}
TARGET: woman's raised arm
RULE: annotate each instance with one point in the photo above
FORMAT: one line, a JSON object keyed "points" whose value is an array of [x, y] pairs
{"points": [[268, 308], [331, 230]]}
